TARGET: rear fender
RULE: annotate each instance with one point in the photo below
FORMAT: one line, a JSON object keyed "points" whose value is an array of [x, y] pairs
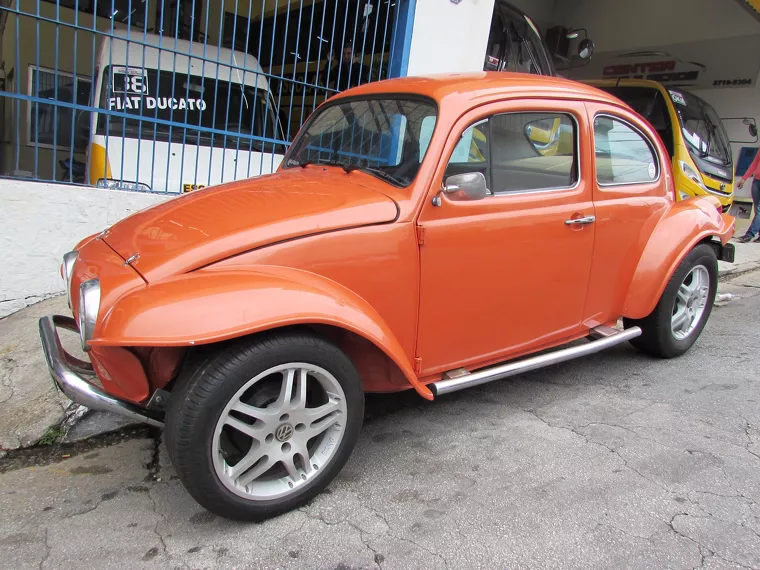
{"points": [[213, 305], [683, 226]]}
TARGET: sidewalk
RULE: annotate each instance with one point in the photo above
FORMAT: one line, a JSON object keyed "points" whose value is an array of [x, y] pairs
{"points": [[31, 409], [747, 259]]}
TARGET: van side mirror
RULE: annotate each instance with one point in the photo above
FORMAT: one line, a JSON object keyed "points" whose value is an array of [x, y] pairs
{"points": [[751, 125], [465, 187], [586, 49]]}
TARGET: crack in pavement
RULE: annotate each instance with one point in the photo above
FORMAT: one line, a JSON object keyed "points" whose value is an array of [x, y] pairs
{"points": [[602, 445], [162, 518], [747, 429], [377, 556], [48, 550], [699, 544], [424, 548], [83, 511]]}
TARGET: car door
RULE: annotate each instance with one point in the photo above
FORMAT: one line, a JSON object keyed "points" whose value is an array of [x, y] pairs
{"points": [[630, 195], [509, 273]]}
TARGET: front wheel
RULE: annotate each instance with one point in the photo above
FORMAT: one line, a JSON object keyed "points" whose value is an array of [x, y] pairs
{"points": [[684, 307], [261, 427]]}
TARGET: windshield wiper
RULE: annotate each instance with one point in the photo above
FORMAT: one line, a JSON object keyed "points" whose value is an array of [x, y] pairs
{"points": [[713, 137], [376, 171], [306, 163]]}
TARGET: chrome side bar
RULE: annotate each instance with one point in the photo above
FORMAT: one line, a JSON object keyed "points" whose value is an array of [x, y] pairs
{"points": [[604, 341], [66, 370]]}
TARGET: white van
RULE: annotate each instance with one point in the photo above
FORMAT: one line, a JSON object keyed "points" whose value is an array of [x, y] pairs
{"points": [[183, 85]]}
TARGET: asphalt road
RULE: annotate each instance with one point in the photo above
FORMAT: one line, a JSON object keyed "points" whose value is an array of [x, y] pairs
{"points": [[613, 461]]}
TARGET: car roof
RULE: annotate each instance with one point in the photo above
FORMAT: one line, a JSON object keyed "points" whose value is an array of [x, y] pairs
{"points": [[485, 86], [625, 82]]}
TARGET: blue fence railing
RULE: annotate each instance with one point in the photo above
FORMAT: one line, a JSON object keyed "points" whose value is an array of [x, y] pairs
{"points": [[173, 95]]}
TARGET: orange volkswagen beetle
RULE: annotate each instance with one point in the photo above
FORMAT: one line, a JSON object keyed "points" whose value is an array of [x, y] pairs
{"points": [[417, 235]]}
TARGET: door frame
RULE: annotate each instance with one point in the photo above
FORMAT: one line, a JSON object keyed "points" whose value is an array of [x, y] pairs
{"points": [[571, 106]]}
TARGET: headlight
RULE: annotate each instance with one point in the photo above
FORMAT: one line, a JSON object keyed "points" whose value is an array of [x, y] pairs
{"points": [[89, 305], [692, 174], [67, 268], [112, 184]]}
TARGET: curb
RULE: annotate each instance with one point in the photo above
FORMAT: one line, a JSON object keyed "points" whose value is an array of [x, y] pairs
{"points": [[737, 270]]}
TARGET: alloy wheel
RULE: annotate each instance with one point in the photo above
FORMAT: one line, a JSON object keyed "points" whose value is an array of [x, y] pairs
{"points": [[279, 430], [690, 302]]}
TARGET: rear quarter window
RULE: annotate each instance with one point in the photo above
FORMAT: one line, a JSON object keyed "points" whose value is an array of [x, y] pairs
{"points": [[623, 155]]}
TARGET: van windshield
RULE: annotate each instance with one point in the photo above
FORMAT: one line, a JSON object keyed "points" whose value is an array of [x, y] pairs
{"points": [[242, 111], [701, 127]]}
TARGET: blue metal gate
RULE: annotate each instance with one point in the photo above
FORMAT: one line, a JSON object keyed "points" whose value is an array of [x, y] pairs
{"points": [[173, 95]]}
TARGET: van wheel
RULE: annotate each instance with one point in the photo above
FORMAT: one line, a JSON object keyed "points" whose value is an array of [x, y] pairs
{"points": [[682, 312], [264, 425]]}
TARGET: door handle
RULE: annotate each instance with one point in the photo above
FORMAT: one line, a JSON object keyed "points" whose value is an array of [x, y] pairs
{"points": [[581, 221]]}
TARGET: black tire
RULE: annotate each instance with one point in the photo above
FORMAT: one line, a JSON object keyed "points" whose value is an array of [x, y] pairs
{"points": [[206, 387], [657, 337]]}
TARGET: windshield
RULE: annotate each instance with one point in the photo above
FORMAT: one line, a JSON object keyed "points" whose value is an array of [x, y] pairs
{"points": [[387, 138], [165, 95], [514, 44], [701, 127]]}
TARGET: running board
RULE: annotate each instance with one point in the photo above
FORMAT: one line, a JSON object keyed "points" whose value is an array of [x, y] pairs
{"points": [[605, 337]]}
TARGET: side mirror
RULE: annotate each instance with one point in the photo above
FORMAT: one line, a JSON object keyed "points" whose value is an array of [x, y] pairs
{"points": [[465, 187], [751, 125], [586, 49]]}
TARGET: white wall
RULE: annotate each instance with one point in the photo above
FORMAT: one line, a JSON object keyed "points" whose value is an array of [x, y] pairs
{"points": [[451, 37], [40, 222], [622, 24]]}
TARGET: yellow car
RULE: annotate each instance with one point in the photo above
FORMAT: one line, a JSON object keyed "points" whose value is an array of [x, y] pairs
{"points": [[691, 130]]}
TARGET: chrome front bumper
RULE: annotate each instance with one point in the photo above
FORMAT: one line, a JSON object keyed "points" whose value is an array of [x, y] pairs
{"points": [[67, 372]]}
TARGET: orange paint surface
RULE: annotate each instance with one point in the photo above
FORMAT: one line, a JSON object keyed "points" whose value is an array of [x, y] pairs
{"points": [[433, 288]]}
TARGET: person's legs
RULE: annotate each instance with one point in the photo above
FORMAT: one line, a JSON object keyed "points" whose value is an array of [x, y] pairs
{"points": [[754, 227]]}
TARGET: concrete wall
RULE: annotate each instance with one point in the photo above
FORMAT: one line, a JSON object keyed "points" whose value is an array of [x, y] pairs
{"points": [[40, 222], [451, 37], [621, 24]]}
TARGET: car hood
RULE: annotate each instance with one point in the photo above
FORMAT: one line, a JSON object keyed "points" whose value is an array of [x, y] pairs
{"points": [[208, 225]]}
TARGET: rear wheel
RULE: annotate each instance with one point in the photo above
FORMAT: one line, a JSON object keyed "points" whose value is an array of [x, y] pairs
{"points": [[263, 426], [684, 307]]}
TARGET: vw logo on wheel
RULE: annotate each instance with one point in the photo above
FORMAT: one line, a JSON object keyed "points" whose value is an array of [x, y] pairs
{"points": [[284, 432]]}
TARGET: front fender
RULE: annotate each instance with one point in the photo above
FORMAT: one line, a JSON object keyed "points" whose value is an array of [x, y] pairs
{"points": [[214, 305], [682, 227]]}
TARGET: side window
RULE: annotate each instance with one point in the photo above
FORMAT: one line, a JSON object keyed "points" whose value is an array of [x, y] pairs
{"points": [[532, 151], [471, 153], [623, 155], [519, 152]]}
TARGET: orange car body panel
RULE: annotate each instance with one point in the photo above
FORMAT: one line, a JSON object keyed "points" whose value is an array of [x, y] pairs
{"points": [[239, 302], [682, 228], [418, 289], [210, 224]]}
